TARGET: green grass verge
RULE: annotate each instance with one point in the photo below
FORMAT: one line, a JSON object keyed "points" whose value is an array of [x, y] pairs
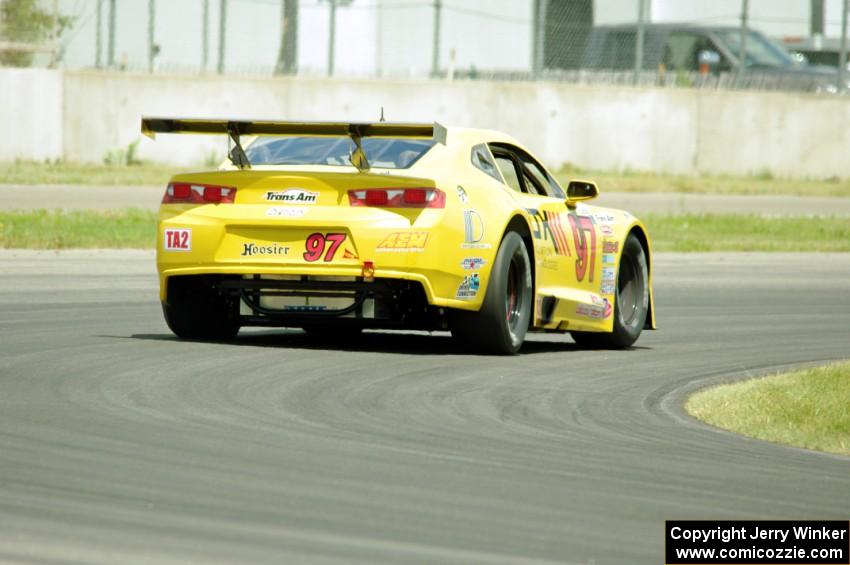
{"points": [[804, 408], [29, 172], [764, 184], [731, 232], [56, 229]]}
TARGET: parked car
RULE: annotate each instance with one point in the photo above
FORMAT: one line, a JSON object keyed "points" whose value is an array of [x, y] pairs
{"points": [[687, 52], [822, 51]]}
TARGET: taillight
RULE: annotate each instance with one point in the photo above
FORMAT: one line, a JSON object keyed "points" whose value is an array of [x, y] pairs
{"points": [[182, 192], [376, 198], [398, 197]]}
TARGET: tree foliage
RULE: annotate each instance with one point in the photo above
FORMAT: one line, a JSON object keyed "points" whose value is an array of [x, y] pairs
{"points": [[26, 22]]}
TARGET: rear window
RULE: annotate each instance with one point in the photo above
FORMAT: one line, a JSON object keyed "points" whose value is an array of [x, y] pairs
{"points": [[385, 153]]}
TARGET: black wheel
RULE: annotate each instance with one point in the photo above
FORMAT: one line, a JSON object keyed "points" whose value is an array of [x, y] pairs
{"points": [[631, 304], [501, 324], [194, 310]]}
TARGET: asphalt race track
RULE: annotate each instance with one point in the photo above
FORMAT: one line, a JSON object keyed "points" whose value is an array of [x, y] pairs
{"points": [[120, 444]]}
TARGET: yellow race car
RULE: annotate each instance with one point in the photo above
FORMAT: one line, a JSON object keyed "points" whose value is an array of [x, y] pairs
{"points": [[337, 227]]}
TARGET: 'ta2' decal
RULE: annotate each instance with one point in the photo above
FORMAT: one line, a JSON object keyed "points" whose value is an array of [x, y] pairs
{"points": [[177, 239]]}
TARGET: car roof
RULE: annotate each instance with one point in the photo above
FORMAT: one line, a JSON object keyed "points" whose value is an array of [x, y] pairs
{"points": [[669, 26], [474, 136]]}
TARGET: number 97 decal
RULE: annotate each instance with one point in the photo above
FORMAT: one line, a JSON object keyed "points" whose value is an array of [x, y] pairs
{"points": [[322, 246], [582, 225]]}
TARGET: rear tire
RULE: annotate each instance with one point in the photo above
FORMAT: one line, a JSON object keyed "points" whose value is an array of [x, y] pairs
{"points": [[631, 303], [501, 324], [195, 310]]}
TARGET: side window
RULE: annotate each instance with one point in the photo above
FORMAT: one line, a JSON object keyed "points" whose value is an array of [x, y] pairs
{"points": [[681, 52], [482, 159], [682, 49], [506, 165], [532, 185], [546, 185]]}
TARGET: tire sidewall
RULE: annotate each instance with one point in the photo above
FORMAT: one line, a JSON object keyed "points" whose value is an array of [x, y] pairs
{"points": [[633, 250], [494, 302]]}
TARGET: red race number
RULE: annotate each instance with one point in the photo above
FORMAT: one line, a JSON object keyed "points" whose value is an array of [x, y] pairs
{"points": [[318, 245], [580, 225]]}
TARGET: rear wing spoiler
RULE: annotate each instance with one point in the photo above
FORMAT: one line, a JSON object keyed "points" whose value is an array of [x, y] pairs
{"points": [[234, 129]]}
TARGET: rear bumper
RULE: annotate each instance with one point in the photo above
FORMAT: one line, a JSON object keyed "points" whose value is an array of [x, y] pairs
{"points": [[381, 275], [304, 301], [420, 246]]}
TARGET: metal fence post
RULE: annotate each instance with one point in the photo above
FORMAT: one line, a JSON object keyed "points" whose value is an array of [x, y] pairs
{"points": [[151, 24], [222, 34], [290, 17], [842, 58], [742, 55], [816, 19], [331, 37], [97, 34], [110, 50], [639, 41], [205, 39], [539, 39], [54, 35], [435, 47]]}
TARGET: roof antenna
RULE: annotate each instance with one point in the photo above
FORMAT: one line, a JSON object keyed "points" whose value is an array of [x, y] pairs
{"points": [[382, 114]]}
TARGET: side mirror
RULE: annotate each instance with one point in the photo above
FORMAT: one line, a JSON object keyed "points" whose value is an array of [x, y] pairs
{"points": [[579, 190]]}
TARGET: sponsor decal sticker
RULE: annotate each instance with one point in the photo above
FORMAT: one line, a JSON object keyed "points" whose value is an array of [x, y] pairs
{"points": [[177, 239], [473, 227], [550, 226], [609, 259], [608, 274], [404, 241], [251, 249], [601, 309], [610, 246], [293, 196], [461, 194], [603, 218], [607, 288], [282, 212], [469, 286], [472, 263], [606, 230]]}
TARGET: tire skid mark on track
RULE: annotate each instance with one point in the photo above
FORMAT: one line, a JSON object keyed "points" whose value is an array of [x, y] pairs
{"points": [[116, 439]]}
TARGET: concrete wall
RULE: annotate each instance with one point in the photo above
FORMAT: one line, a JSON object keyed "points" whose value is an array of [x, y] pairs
{"points": [[30, 114], [669, 130]]}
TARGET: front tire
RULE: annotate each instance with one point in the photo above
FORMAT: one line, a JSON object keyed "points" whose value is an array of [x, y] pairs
{"points": [[631, 303], [195, 310], [501, 324]]}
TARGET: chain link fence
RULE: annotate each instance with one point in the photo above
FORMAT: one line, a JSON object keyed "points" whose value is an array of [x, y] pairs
{"points": [[752, 44]]}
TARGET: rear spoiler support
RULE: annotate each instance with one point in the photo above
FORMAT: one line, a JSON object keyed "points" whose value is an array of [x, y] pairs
{"points": [[236, 155], [234, 129]]}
